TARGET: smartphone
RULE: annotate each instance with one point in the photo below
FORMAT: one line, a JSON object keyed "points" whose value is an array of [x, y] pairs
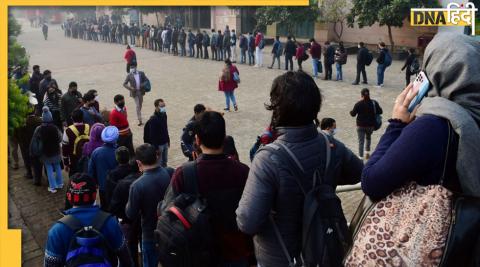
{"points": [[421, 85]]}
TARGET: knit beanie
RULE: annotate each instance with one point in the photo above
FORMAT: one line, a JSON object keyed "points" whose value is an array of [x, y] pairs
{"points": [[110, 134], [82, 190], [46, 115]]}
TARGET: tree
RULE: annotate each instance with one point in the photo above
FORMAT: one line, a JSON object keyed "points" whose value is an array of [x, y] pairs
{"points": [[287, 15], [391, 13], [17, 57], [336, 12]]}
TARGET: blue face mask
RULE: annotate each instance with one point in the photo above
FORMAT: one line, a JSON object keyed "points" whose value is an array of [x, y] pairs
{"points": [[163, 110]]}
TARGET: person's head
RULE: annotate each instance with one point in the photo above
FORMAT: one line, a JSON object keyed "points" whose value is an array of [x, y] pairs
{"points": [[52, 88], [295, 100], [119, 100], [411, 51], [361, 44], [133, 166], [198, 109], [110, 135], [328, 125], [312, 41], [233, 30], [451, 63], [133, 67], [72, 87], [36, 68], [210, 131], [77, 116], [122, 155], [46, 115], [160, 105], [82, 190], [94, 92], [289, 37], [365, 94], [213, 30], [89, 99], [128, 47], [340, 44], [228, 62], [226, 27], [219, 32], [146, 156], [327, 43], [249, 33], [47, 74], [381, 45]]}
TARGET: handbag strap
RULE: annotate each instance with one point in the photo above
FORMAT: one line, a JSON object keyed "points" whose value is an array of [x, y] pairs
{"points": [[374, 108], [446, 153]]}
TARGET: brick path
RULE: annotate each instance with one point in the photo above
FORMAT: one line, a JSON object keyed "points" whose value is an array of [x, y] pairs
{"points": [[182, 82]]}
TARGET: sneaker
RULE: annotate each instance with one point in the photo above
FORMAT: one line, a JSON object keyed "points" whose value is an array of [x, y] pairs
{"points": [[354, 83], [364, 82], [140, 124], [52, 190], [227, 109], [236, 107], [269, 67], [60, 187]]}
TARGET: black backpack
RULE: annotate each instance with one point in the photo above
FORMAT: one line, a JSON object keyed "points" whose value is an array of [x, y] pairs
{"points": [[325, 235], [184, 234], [88, 246], [369, 58], [415, 66]]}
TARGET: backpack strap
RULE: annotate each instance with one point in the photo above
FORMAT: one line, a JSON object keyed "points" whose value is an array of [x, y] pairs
{"points": [[74, 224], [100, 220], [71, 222], [190, 179], [374, 107]]}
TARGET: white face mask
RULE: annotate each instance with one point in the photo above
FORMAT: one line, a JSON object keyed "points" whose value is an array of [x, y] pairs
{"points": [[359, 46], [163, 109], [133, 70], [96, 98], [333, 132]]}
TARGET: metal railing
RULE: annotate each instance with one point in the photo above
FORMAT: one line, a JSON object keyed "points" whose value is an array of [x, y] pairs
{"points": [[348, 188]]}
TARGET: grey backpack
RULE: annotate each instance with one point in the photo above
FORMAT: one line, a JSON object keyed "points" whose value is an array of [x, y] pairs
{"points": [[325, 235]]}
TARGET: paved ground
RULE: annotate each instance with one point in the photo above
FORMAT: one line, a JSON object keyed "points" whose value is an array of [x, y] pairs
{"points": [[182, 82]]}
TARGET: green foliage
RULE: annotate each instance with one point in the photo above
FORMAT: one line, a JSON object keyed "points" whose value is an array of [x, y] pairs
{"points": [[18, 107], [288, 16], [391, 13], [17, 55], [385, 12]]}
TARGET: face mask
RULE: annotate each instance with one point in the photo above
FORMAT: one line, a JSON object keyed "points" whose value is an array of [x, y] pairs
{"points": [[163, 109], [132, 70], [359, 46], [333, 132], [96, 98], [121, 104]]}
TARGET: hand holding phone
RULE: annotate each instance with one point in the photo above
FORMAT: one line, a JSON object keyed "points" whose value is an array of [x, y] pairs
{"points": [[421, 85]]}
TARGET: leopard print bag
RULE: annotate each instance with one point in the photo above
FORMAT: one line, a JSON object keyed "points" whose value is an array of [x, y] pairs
{"points": [[407, 228]]}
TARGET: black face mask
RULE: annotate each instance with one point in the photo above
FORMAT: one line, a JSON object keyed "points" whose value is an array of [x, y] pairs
{"points": [[121, 104]]}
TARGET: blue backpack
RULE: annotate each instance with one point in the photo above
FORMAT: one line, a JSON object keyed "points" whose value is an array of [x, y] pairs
{"points": [[88, 246], [388, 59]]}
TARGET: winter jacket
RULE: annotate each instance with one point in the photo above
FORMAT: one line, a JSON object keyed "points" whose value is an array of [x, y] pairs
{"points": [[156, 130], [68, 103], [230, 84], [272, 190], [290, 48]]}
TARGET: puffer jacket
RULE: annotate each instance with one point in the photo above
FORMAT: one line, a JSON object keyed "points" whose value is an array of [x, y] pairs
{"points": [[272, 190]]}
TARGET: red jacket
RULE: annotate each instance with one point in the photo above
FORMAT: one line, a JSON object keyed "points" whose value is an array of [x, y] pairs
{"points": [[230, 85], [300, 51], [316, 50], [258, 38], [129, 55], [119, 120]]}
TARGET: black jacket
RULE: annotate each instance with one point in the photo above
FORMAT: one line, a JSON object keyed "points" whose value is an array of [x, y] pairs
{"points": [[365, 112], [119, 197], [199, 39], [113, 177], [408, 63], [362, 56], [329, 55], [156, 130], [290, 48], [35, 82], [381, 56]]}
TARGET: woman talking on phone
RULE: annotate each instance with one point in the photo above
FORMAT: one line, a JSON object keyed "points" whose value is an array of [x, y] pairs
{"points": [[434, 141]]}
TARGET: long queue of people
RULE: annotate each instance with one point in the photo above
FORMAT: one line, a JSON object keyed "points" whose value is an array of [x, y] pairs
{"points": [[223, 45], [282, 211]]}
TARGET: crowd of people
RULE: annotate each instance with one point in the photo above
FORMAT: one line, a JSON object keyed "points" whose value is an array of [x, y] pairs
{"points": [[179, 41], [282, 210]]}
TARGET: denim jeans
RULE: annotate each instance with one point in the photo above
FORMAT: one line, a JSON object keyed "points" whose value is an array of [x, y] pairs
{"points": [[380, 73], [149, 254], [275, 57], [163, 149], [339, 71], [57, 180], [315, 67], [191, 51], [251, 58], [288, 61], [230, 96], [364, 133], [243, 55]]}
